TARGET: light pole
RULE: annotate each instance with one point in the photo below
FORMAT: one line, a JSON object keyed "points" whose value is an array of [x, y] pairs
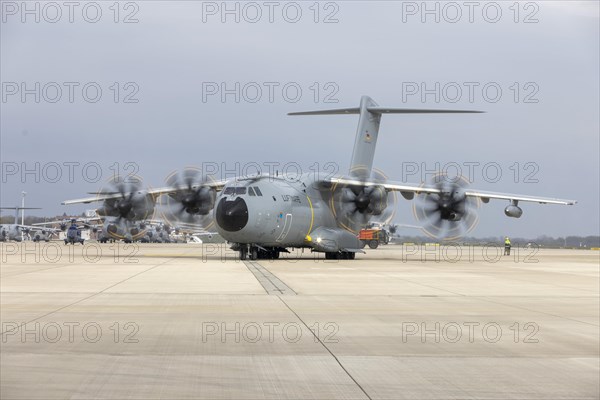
{"points": [[23, 212]]}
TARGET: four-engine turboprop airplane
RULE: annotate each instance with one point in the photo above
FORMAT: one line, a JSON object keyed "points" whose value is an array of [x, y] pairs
{"points": [[120, 229], [263, 215], [156, 232], [17, 231]]}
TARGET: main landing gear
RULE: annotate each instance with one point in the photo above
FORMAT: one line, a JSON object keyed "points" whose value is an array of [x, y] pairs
{"points": [[256, 253], [342, 255], [250, 252]]}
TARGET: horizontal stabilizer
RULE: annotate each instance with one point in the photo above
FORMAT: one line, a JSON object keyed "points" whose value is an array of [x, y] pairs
{"points": [[354, 110], [384, 110]]}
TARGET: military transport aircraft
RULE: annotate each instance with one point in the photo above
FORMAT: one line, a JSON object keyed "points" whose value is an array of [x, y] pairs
{"points": [[18, 232], [119, 229], [264, 215], [156, 232]]}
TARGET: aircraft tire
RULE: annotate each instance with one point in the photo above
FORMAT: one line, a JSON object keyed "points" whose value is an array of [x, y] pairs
{"points": [[254, 253]]}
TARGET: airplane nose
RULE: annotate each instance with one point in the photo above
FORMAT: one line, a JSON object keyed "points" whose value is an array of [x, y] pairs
{"points": [[232, 216]]}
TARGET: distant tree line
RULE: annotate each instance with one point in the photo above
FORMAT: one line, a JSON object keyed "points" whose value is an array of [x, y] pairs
{"points": [[543, 241]]}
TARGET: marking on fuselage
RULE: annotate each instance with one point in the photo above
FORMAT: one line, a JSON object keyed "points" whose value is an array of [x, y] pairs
{"points": [[286, 227], [312, 215], [270, 282]]}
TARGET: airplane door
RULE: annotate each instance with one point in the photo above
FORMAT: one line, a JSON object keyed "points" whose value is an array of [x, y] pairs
{"points": [[286, 228]]}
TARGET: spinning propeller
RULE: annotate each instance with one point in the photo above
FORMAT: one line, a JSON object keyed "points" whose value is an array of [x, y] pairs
{"points": [[355, 205], [132, 204], [449, 214], [193, 200]]}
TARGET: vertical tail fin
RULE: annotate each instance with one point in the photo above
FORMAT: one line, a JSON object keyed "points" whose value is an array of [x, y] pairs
{"points": [[368, 130], [365, 140]]}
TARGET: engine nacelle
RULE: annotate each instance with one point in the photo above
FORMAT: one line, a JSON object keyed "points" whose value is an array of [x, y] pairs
{"points": [[112, 229], [454, 216], [104, 212], [513, 211], [378, 200]]}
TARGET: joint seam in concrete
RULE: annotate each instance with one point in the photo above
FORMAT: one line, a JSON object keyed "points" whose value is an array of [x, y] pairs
{"points": [[327, 348]]}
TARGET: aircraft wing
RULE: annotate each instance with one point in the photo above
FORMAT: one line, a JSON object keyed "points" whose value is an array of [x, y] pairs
{"points": [[68, 221], [38, 228], [196, 229], [408, 191], [408, 226], [203, 233], [102, 196], [38, 224]]}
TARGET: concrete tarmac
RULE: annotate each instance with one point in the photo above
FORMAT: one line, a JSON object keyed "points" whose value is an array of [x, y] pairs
{"points": [[180, 321]]}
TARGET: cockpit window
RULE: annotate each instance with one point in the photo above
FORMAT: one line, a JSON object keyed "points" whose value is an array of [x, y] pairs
{"points": [[234, 190], [251, 192], [257, 190]]}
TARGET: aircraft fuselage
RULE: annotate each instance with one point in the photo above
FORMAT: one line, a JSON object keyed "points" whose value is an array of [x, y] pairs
{"points": [[272, 211]]}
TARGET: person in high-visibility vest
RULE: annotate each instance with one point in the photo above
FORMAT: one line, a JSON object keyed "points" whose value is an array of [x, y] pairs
{"points": [[507, 246]]}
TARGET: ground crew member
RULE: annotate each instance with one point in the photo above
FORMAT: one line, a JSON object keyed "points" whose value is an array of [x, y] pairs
{"points": [[507, 246]]}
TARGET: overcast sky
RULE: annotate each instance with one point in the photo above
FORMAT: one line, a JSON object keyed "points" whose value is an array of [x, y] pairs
{"points": [[533, 68]]}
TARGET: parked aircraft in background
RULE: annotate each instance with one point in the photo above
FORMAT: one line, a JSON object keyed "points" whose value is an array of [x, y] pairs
{"points": [[19, 232]]}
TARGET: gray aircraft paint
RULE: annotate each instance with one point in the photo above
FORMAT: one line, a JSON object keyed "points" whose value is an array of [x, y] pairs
{"points": [[288, 210], [301, 211], [365, 141], [15, 231]]}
